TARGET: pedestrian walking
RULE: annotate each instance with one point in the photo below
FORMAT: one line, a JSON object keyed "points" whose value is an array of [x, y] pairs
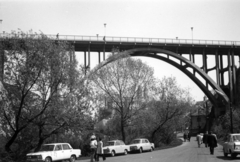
{"points": [[100, 150], [93, 147], [212, 142], [189, 136], [205, 136], [199, 140], [185, 136]]}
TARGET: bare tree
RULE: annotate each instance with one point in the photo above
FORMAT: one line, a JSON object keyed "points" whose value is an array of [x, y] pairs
{"points": [[125, 83], [171, 104]]}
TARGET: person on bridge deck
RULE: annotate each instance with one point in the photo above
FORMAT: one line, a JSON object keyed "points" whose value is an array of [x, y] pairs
{"points": [[205, 139], [212, 142]]}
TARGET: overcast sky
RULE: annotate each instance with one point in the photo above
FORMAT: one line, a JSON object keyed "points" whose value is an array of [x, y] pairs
{"points": [[210, 19]]}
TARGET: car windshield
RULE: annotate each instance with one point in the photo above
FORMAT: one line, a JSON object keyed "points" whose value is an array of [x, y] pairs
{"points": [[110, 143], [236, 138], [136, 141], [47, 148]]}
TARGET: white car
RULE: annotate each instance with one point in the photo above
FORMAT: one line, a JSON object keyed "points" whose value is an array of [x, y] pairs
{"points": [[115, 147], [232, 145], [54, 152], [140, 145]]}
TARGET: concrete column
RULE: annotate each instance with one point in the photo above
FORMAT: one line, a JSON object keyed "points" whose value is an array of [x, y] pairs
{"points": [[99, 57], [89, 57], [104, 52], [234, 77], [230, 73], [217, 67], [85, 63], [222, 72], [205, 65]]}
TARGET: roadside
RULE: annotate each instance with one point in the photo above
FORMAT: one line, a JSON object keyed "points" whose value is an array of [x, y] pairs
{"points": [[177, 142]]}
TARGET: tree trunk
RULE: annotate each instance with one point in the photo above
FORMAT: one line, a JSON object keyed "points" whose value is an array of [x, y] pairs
{"points": [[40, 142], [153, 134], [10, 142], [123, 130]]}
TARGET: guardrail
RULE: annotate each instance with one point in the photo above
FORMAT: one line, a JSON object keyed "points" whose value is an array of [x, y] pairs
{"points": [[130, 39]]}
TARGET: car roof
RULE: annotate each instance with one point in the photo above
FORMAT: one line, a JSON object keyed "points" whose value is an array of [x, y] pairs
{"points": [[234, 134], [139, 138], [54, 143], [114, 140]]}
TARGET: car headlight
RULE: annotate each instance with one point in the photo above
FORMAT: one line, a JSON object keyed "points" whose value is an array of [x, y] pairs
{"points": [[39, 156], [106, 150]]}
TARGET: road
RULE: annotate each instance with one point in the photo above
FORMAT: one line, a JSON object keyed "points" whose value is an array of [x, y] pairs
{"points": [[187, 152]]}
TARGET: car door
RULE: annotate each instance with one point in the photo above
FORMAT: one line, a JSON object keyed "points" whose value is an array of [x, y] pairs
{"points": [[58, 152], [228, 144], [122, 146], [143, 144], [231, 143], [67, 151], [148, 145], [118, 147]]}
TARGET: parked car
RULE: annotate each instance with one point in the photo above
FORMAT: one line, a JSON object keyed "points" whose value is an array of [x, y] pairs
{"points": [[115, 147], [140, 145], [54, 152], [232, 145]]}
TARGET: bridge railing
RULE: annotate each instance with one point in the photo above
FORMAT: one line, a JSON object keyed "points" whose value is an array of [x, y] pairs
{"points": [[134, 39]]}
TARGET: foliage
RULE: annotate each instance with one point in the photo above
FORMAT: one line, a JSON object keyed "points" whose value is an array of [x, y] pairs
{"points": [[222, 125], [44, 94], [158, 120], [124, 83]]}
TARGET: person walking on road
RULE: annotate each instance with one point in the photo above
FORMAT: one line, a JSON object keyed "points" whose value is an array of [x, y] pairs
{"points": [[185, 136], [189, 136], [199, 140], [93, 147], [212, 142], [100, 150], [205, 139]]}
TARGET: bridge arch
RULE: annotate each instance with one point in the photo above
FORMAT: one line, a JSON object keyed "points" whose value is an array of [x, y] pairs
{"points": [[219, 101]]}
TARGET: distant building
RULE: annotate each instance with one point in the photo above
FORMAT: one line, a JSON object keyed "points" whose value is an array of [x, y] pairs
{"points": [[198, 121]]}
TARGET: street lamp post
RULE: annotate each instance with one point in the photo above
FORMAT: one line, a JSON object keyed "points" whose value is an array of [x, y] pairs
{"points": [[0, 26], [105, 29], [192, 33]]}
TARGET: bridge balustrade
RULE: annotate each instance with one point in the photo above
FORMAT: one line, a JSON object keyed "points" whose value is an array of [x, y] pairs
{"points": [[75, 38]]}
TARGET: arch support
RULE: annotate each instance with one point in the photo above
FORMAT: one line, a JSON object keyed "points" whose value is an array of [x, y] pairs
{"points": [[218, 98]]}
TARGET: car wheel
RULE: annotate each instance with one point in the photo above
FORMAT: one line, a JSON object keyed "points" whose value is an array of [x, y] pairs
{"points": [[48, 159], [151, 149], [113, 153], [140, 150], [125, 152], [224, 153], [233, 155], [72, 158]]}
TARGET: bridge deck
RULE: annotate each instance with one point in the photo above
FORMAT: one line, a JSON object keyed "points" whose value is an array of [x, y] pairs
{"points": [[182, 46]]}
